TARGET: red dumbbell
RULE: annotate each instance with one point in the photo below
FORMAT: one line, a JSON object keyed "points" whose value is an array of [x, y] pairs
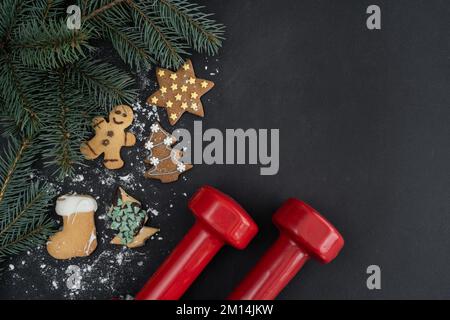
{"points": [[220, 220], [303, 233]]}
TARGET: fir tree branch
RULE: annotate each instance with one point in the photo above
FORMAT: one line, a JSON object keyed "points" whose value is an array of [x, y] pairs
{"points": [[10, 20], [23, 203], [20, 90], [102, 9], [8, 123], [128, 45], [186, 18], [18, 156], [105, 83], [12, 168], [165, 27], [35, 233], [59, 128], [18, 101], [49, 45], [65, 158], [84, 5], [167, 50], [20, 214], [171, 50], [25, 224], [116, 25], [65, 125], [45, 9]]}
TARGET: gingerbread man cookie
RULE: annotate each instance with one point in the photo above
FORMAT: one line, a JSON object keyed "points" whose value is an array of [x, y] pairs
{"points": [[180, 92], [110, 137]]}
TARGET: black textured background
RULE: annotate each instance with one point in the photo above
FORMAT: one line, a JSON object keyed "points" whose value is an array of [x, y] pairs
{"points": [[364, 138]]}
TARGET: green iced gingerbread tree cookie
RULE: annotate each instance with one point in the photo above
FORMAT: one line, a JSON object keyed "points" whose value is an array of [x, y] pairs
{"points": [[127, 220]]}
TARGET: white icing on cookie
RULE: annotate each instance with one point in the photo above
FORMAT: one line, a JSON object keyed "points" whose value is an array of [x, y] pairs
{"points": [[69, 204], [87, 248]]}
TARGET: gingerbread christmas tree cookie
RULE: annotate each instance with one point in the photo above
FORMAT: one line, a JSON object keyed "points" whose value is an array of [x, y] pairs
{"points": [[129, 220], [180, 92], [164, 161]]}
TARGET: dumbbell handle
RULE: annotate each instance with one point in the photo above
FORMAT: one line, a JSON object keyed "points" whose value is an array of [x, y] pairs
{"points": [[273, 272], [183, 265]]}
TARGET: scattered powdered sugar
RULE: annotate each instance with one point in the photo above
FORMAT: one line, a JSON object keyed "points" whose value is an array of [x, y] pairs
{"points": [[128, 178], [119, 258], [147, 112], [78, 178], [153, 212], [102, 275], [55, 284]]}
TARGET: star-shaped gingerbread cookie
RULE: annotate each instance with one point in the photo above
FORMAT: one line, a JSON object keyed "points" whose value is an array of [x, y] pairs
{"points": [[180, 92]]}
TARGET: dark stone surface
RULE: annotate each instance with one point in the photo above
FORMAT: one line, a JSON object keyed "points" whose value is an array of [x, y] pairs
{"points": [[364, 138]]}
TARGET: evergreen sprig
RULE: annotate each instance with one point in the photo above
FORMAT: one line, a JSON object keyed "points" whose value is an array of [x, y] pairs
{"points": [[161, 31], [102, 81], [196, 27], [23, 202], [47, 45], [22, 93], [65, 125]]}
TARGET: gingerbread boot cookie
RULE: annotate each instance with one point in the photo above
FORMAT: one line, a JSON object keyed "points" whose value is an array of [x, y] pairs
{"points": [[110, 137], [78, 236]]}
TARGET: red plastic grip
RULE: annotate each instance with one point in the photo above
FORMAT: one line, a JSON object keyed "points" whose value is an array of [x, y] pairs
{"points": [[183, 266]]}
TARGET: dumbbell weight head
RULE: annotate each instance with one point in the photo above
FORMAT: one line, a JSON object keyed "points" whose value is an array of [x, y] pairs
{"points": [[223, 216], [306, 227]]}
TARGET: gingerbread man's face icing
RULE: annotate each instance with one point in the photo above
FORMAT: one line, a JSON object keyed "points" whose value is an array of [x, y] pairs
{"points": [[121, 116]]}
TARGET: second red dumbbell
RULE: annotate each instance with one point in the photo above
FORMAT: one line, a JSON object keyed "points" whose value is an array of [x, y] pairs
{"points": [[304, 233]]}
